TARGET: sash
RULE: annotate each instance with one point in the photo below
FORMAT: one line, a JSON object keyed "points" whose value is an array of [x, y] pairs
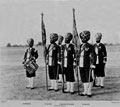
{"points": [[65, 55], [96, 50], [50, 48], [81, 59]]}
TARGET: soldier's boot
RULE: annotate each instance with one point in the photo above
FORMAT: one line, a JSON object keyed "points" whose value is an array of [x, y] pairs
{"points": [[72, 88], [28, 86], [52, 85], [64, 79], [31, 82], [89, 91], [85, 86], [98, 81], [75, 76], [55, 85], [60, 78], [68, 87], [102, 82]]}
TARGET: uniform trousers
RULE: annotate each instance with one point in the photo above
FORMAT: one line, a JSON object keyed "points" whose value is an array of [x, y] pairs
{"points": [[53, 72], [69, 74], [59, 70], [99, 70], [86, 74], [29, 75]]}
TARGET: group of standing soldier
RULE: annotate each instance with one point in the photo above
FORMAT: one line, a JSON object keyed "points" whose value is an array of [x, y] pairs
{"points": [[90, 59]]}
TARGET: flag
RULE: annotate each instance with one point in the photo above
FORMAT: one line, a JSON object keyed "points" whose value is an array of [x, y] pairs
{"points": [[43, 31], [75, 39], [76, 42]]}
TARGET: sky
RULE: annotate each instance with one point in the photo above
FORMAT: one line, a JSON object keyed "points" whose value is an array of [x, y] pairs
{"points": [[21, 19]]}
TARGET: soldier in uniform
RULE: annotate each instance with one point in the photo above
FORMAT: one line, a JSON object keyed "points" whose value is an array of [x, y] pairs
{"points": [[68, 54], [87, 59], [52, 52], [30, 54], [60, 40], [101, 53]]}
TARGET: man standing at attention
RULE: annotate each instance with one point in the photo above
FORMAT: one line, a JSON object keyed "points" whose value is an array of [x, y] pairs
{"points": [[101, 53], [87, 59]]}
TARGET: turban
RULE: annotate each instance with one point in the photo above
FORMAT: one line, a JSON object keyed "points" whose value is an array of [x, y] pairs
{"points": [[85, 35], [98, 36], [53, 37], [30, 42], [68, 37]]}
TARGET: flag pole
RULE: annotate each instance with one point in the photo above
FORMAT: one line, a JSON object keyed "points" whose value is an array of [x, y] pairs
{"points": [[75, 41], [43, 31]]}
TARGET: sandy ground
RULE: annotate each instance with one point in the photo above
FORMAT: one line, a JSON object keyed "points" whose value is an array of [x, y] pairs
{"points": [[13, 86]]}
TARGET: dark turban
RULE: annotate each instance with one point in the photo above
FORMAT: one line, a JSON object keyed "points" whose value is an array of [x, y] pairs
{"points": [[85, 36], [53, 37], [68, 37]]}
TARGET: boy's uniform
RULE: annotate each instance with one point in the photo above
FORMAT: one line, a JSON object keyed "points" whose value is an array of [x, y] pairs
{"points": [[30, 54], [30, 63]]}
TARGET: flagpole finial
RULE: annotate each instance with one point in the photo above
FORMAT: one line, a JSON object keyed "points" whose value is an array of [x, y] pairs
{"points": [[73, 9]]}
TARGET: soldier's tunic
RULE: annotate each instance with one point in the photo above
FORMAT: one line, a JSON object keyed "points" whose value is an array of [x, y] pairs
{"points": [[101, 53], [30, 53], [53, 55], [87, 58], [68, 54]]}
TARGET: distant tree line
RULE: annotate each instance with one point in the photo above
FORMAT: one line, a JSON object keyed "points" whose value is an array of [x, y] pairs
{"points": [[10, 45], [40, 44]]}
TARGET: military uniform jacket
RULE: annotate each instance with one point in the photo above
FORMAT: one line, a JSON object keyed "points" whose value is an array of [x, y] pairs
{"points": [[33, 54], [52, 51], [70, 55], [101, 53], [87, 55]]}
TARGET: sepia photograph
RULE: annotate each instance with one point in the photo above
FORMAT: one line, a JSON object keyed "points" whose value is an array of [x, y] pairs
{"points": [[60, 53]]}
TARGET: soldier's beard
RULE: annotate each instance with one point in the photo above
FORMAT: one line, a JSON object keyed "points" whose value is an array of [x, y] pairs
{"points": [[67, 41], [52, 41], [59, 42], [97, 41], [84, 41]]}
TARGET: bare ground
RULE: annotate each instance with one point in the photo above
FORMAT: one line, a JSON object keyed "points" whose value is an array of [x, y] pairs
{"points": [[13, 83]]}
